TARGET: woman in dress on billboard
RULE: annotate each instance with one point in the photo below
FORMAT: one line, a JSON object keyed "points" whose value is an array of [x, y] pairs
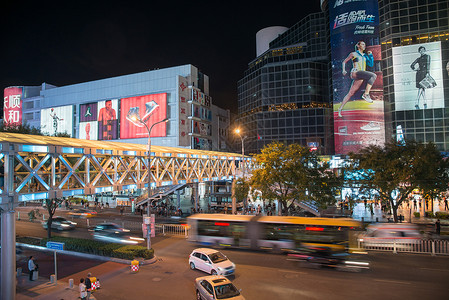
{"points": [[359, 75], [422, 70]]}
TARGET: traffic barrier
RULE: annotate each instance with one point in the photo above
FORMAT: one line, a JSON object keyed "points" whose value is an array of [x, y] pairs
{"points": [[71, 283], [52, 278], [134, 266], [433, 247]]}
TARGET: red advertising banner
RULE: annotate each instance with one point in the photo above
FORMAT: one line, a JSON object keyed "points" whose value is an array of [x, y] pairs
{"points": [[12, 106], [150, 108]]}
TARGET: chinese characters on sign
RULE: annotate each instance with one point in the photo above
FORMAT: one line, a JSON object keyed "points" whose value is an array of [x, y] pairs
{"points": [[13, 106]]}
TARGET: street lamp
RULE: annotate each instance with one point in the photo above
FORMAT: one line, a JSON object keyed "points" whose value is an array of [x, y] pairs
{"points": [[238, 132], [134, 116]]}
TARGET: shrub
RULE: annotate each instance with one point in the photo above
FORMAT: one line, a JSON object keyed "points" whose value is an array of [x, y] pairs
{"points": [[102, 248], [28, 240], [429, 214], [442, 215], [417, 214]]}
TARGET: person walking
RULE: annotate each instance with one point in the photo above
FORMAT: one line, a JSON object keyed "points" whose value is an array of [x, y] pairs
{"points": [[83, 289], [438, 226], [31, 267]]}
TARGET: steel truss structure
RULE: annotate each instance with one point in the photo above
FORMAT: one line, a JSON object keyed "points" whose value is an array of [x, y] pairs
{"points": [[40, 167]]}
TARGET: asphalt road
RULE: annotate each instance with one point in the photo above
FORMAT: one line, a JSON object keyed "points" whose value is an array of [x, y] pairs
{"points": [[260, 275]]}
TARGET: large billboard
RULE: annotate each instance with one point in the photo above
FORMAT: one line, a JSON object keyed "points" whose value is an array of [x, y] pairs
{"points": [[356, 75], [58, 119], [150, 109], [108, 119], [418, 76], [12, 106]]}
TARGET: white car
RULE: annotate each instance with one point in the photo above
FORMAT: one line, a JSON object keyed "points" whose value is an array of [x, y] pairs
{"points": [[216, 287], [211, 261]]}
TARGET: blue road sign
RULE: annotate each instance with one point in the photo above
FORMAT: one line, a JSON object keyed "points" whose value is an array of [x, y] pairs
{"points": [[55, 245]]}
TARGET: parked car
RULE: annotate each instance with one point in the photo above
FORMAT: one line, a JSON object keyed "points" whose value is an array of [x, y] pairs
{"points": [[109, 227], [211, 261], [82, 213], [117, 237], [60, 223], [216, 287]]}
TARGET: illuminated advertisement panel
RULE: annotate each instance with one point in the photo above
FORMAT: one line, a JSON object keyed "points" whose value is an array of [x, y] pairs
{"points": [[57, 120], [107, 120], [418, 76], [356, 75], [12, 106], [150, 109], [88, 112], [184, 112], [88, 130]]}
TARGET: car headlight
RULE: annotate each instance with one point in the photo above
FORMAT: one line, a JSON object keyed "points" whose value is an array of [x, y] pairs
{"points": [[65, 225]]}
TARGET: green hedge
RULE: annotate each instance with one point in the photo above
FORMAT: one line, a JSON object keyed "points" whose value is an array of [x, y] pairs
{"points": [[441, 215], [416, 214], [95, 247]]}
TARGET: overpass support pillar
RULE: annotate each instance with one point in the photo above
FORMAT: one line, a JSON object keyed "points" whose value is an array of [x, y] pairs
{"points": [[8, 259]]}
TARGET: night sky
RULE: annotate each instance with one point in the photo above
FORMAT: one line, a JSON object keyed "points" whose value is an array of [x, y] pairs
{"points": [[68, 42]]}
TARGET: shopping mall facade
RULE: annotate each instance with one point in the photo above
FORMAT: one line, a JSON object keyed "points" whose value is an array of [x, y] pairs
{"points": [[115, 109], [356, 73]]}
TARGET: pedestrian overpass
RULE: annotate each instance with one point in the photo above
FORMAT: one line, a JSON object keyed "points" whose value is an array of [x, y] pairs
{"points": [[40, 167]]}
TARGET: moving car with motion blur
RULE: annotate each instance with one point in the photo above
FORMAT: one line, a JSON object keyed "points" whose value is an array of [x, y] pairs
{"points": [[60, 223], [211, 261], [325, 257], [109, 227], [216, 287], [82, 213], [117, 237], [388, 236]]}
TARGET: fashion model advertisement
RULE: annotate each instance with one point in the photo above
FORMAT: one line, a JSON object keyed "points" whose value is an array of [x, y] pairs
{"points": [[418, 76], [356, 75]]}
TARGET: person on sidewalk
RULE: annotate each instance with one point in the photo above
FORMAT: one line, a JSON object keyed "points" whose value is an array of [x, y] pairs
{"points": [[88, 285], [438, 226], [31, 267], [83, 290]]}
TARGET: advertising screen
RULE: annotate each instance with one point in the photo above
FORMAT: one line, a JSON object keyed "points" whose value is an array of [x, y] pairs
{"points": [[12, 106], [150, 109], [107, 120], [88, 130], [57, 120], [88, 112], [356, 75], [418, 76]]}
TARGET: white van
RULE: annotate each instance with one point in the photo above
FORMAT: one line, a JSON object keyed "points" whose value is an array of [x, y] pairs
{"points": [[387, 235]]}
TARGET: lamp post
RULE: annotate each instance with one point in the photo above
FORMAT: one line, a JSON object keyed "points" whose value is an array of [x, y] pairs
{"points": [[238, 132], [134, 116]]}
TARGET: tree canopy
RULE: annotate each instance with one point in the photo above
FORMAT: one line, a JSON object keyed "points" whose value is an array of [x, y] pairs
{"points": [[293, 174], [394, 170]]}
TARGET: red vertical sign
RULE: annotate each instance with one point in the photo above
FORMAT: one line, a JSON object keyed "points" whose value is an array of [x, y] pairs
{"points": [[12, 106]]}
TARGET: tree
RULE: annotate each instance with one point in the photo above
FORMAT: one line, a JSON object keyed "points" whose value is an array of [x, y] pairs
{"points": [[51, 205], [293, 174], [394, 170], [241, 190], [25, 129]]}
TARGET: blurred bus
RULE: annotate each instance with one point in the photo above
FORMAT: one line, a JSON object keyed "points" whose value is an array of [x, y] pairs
{"points": [[276, 233]]}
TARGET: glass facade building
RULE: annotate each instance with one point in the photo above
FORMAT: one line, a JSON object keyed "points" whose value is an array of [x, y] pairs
{"points": [[283, 95]]}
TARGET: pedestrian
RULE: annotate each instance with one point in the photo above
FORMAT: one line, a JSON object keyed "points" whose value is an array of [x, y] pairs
{"points": [[121, 210], [88, 284], [83, 289], [438, 226], [32, 267], [445, 204]]}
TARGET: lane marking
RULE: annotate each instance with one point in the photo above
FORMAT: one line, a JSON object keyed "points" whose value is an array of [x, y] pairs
{"points": [[430, 269], [293, 272], [392, 281]]}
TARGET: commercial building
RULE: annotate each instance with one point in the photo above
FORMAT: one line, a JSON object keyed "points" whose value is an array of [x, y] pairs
{"points": [[303, 88], [283, 95], [124, 108]]}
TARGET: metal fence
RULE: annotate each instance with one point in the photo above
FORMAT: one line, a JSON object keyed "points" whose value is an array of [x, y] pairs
{"points": [[433, 247], [172, 229]]}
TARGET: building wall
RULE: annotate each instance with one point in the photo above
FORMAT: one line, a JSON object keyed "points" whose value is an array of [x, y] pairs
{"points": [[284, 93], [412, 24]]}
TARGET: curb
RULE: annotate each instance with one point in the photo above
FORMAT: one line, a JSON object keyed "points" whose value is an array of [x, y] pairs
{"points": [[87, 255]]}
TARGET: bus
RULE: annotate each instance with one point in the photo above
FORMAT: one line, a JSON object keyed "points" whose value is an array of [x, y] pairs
{"points": [[274, 233]]}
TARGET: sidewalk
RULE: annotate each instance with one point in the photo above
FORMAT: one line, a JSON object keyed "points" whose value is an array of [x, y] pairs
{"points": [[42, 289]]}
